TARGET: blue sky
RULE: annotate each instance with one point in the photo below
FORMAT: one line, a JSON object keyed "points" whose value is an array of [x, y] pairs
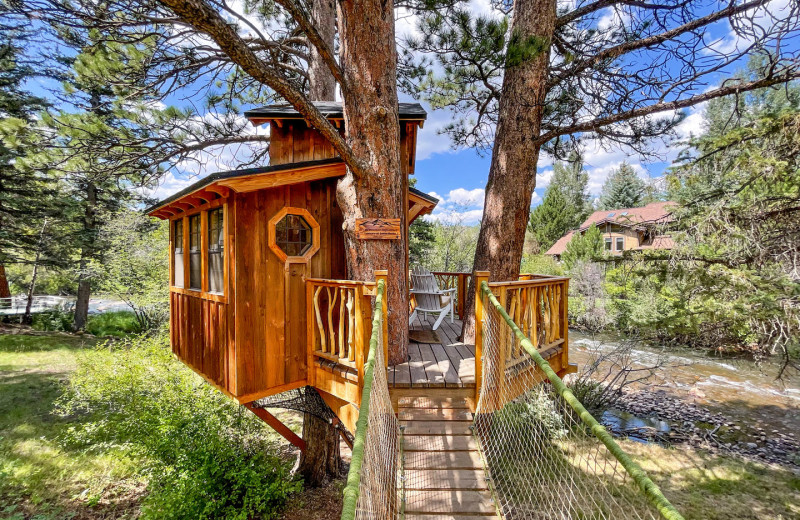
{"points": [[457, 177]]}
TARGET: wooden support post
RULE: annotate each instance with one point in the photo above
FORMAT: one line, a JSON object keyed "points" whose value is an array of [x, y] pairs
{"points": [[311, 368], [384, 275], [462, 293], [278, 426], [565, 323], [480, 277]]}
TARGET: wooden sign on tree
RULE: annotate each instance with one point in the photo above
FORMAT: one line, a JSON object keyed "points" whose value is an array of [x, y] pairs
{"points": [[378, 228]]}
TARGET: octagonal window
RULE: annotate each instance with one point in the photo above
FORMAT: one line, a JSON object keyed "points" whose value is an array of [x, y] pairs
{"points": [[293, 235]]}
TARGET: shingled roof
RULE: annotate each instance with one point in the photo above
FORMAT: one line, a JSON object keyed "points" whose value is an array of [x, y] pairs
{"points": [[330, 109]]}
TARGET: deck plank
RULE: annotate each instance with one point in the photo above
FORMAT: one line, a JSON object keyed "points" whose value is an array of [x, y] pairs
{"points": [[436, 376], [416, 365], [446, 366]]}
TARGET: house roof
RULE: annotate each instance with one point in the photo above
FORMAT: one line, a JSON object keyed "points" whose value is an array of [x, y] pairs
{"points": [[653, 213], [276, 169], [330, 109], [649, 215], [560, 245]]}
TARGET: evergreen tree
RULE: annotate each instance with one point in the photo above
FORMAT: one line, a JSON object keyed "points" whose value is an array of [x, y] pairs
{"points": [[583, 247], [23, 190], [550, 219], [623, 189], [566, 203]]}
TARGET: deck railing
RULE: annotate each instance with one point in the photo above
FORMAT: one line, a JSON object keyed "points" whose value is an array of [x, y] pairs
{"points": [[547, 457], [18, 304], [459, 282]]}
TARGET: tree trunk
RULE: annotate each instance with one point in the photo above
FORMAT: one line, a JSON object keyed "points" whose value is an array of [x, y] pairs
{"points": [[512, 175], [321, 83], [5, 290], [26, 318], [87, 251], [369, 60], [320, 461]]}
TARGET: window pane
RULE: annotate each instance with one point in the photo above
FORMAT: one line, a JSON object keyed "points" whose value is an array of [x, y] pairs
{"points": [[177, 243], [293, 235], [216, 253], [620, 244], [608, 244], [194, 253]]}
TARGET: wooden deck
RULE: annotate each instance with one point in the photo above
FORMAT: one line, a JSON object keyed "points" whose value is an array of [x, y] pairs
{"points": [[448, 364]]}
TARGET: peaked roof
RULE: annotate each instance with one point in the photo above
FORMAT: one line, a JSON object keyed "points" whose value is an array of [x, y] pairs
{"points": [[653, 213], [330, 109]]}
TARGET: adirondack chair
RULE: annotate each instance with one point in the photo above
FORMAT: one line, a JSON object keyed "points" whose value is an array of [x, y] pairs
{"points": [[430, 299]]}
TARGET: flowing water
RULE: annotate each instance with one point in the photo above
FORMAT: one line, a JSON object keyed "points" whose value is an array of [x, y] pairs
{"points": [[737, 388]]}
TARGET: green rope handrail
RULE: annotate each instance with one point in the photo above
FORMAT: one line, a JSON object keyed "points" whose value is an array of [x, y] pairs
{"points": [[650, 489], [354, 475]]}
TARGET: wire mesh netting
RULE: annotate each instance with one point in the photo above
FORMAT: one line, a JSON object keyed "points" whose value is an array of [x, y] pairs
{"points": [[543, 461], [375, 468]]}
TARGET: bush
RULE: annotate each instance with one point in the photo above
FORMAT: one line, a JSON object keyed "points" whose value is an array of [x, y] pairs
{"points": [[118, 323], [54, 320], [204, 456], [541, 264]]}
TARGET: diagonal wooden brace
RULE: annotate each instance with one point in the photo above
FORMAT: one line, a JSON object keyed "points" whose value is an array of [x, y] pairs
{"points": [[278, 426]]}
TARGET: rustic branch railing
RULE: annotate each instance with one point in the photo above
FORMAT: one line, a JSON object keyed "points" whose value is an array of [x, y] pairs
{"points": [[337, 311]]}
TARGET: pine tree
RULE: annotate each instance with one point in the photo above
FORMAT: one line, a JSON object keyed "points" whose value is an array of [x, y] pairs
{"points": [[22, 189], [623, 189], [566, 203], [583, 247], [550, 219]]}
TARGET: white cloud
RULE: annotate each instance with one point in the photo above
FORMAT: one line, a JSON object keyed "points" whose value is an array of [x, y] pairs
{"points": [[452, 216], [463, 197]]}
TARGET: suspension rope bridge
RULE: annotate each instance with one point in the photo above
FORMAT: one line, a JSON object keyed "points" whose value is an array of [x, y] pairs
{"points": [[544, 456]]}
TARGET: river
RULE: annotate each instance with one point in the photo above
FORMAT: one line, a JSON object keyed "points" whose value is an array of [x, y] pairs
{"points": [[737, 388]]}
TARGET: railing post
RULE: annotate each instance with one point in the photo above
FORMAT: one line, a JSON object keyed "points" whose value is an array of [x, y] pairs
{"points": [[383, 274], [462, 293], [565, 324], [311, 338], [480, 277]]}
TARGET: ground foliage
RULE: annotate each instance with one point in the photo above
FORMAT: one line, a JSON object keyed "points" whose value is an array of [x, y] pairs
{"points": [[204, 456]]}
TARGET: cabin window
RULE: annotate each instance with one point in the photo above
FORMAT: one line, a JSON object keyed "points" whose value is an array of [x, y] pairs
{"points": [[216, 252], [293, 235], [620, 243], [195, 254], [177, 253], [608, 244]]}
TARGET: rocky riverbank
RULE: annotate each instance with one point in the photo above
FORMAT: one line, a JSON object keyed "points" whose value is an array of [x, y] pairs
{"points": [[656, 416]]}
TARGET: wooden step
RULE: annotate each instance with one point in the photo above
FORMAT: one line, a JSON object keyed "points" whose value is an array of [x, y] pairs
{"points": [[439, 442], [445, 479], [451, 502], [432, 402], [436, 414], [436, 427], [443, 459]]}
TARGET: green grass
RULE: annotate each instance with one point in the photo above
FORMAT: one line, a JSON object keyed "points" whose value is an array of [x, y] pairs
{"points": [[37, 473]]}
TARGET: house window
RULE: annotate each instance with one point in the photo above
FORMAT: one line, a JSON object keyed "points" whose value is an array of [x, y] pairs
{"points": [[216, 251], [177, 254], [195, 253], [608, 244], [620, 243], [293, 235]]}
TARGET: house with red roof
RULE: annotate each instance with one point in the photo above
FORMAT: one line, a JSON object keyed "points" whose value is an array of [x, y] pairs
{"points": [[626, 229]]}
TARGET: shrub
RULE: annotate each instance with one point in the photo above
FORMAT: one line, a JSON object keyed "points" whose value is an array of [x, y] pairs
{"points": [[118, 323], [54, 320], [204, 456]]}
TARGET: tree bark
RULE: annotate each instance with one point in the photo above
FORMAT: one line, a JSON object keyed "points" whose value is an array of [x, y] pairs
{"points": [[321, 83], [368, 56], [320, 461], [512, 175], [87, 251], [5, 290]]}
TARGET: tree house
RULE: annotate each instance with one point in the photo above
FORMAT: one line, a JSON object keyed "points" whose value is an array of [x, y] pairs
{"points": [[243, 246]]}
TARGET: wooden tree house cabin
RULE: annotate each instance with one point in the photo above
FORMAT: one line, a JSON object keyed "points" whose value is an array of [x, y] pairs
{"points": [[259, 303], [245, 245]]}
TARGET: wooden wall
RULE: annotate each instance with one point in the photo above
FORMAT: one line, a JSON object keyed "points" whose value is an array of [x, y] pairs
{"points": [[294, 141], [270, 301]]}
